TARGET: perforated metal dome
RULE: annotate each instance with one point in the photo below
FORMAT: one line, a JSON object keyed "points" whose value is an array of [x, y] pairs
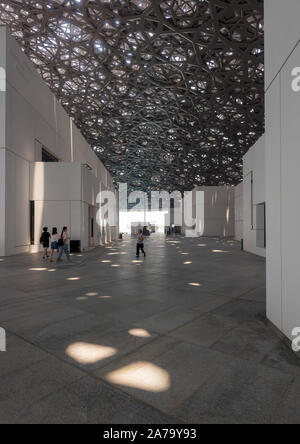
{"points": [[170, 94]]}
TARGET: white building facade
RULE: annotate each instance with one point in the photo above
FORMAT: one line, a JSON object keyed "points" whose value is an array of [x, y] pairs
{"points": [[282, 162], [49, 175], [216, 212], [254, 199], [271, 170]]}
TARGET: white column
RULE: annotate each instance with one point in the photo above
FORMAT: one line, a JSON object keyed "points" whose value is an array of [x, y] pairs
{"points": [[273, 203], [290, 188], [2, 137], [2, 202], [282, 164]]}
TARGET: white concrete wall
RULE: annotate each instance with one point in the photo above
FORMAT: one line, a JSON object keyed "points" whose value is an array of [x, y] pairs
{"points": [[65, 194], [2, 202], [2, 137], [253, 194], [56, 190], [32, 117], [219, 217], [282, 164], [238, 211], [281, 24]]}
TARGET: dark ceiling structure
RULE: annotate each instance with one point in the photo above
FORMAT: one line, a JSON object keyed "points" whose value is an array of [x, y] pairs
{"points": [[169, 93]]}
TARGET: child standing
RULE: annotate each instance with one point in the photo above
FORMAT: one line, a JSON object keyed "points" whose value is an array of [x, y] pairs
{"points": [[140, 244], [45, 241], [54, 243]]}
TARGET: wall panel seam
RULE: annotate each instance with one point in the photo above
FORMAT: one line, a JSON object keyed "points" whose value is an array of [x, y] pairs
{"points": [[282, 66], [280, 200]]}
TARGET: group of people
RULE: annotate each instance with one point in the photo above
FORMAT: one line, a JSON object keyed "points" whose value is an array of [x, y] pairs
{"points": [[59, 243]]}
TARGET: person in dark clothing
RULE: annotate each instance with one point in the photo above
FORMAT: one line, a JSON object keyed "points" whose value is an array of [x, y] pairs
{"points": [[140, 244], [45, 241]]}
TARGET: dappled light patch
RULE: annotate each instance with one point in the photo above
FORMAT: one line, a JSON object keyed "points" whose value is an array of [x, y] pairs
{"points": [[85, 353], [139, 333], [141, 375]]}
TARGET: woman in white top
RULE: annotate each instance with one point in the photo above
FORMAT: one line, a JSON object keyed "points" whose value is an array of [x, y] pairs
{"points": [[64, 247]]}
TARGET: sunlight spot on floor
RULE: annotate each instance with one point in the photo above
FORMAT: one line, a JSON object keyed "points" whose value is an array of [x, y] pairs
{"points": [[106, 262], [38, 269], [139, 333], [143, 376], [116, 265], [194, 284], [202, 245], [187, 263], [85, 353], [220, 251], [51, 270], [73, 279], [81, 298], [92, 294], [104, 297]]}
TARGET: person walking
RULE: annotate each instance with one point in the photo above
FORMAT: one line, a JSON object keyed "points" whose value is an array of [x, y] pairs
{"points": [[140, 244], [54, 243], [45, 241], [63, 244]]}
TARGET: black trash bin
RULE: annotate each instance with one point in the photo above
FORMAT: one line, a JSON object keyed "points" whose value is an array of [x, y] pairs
{"points": [[75, 246]]}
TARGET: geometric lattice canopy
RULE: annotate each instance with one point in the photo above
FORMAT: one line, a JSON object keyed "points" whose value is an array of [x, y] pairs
{"points": [[170, 94]]}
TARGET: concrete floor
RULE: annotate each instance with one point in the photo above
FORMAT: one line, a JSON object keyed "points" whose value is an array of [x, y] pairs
{"points": [[178, 338]]}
